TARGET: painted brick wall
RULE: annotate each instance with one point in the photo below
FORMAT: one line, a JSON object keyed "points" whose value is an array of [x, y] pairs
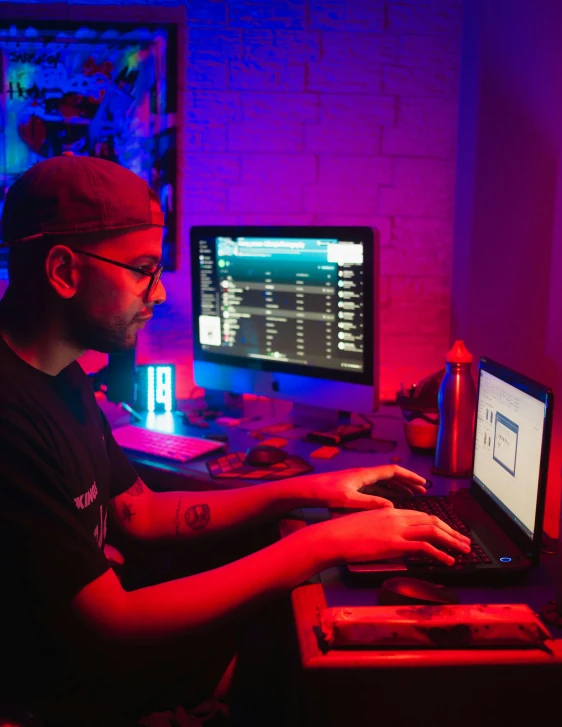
{"points": [[326, 112]]}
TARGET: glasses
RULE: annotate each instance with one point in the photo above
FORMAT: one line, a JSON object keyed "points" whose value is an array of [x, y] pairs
{"points": [[154, 276]]}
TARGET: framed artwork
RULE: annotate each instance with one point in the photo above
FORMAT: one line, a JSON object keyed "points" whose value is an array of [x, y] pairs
{"points": [[105, 89]]}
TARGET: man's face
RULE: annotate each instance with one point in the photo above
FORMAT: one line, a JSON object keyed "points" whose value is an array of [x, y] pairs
{"points": [[110, 305]]}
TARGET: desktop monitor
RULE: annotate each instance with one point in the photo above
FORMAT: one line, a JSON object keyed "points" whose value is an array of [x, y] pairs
{"points": [[287, 312]]}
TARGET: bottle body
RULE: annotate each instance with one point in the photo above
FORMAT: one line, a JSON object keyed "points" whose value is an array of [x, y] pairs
{"points": [[457, 411]]}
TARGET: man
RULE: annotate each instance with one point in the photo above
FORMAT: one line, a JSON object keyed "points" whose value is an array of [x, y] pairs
{"points": [[85, 246]]}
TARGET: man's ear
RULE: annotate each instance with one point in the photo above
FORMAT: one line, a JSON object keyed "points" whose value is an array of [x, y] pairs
{"points": [[62, 271]]}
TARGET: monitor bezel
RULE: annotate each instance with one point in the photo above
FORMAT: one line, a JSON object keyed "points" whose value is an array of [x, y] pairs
{"points": [[530, 546], [367, 235]]}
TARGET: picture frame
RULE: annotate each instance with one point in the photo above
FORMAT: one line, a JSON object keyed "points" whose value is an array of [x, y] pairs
{"points": [[106, 88]]}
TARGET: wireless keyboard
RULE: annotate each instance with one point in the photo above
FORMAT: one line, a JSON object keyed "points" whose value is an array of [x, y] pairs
{"points": [[175, 447]]}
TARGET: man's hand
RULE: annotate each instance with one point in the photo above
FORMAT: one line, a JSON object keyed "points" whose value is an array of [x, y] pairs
{"points": [[365, 536], [341, 489]]}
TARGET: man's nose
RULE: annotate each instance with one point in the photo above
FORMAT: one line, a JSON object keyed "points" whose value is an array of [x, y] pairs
{"points": [[158, 295]]}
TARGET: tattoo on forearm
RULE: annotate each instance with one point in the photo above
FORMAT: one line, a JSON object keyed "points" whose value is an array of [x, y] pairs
{"points": [[177, 518], [137, 489], [128, 513], [197, 517]]}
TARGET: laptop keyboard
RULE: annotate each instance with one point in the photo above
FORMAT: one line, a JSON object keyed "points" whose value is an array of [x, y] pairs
{"points": [[441, 507]]}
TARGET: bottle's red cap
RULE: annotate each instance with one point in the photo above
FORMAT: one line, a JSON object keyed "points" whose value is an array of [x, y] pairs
{"points": [[459, 353]]}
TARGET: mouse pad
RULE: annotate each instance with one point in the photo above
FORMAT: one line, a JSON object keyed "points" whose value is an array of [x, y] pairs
{"points": [[232, 466]]}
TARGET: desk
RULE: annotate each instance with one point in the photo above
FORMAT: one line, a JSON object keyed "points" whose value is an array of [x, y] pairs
{"points": [[166, 475], [436, 688]]}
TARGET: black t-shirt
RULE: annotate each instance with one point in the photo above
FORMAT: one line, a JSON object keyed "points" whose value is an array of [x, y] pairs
{"points": [[59, 467]]}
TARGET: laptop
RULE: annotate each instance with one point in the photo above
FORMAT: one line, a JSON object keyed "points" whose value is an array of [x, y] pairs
{"points": [[503, 509]]}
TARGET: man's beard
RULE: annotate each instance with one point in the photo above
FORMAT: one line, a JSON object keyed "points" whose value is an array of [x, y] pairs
{"points": [[87, 333]]}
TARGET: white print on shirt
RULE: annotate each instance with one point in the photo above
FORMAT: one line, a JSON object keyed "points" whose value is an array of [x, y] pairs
{"points": [[101, 529], [87, 498]]}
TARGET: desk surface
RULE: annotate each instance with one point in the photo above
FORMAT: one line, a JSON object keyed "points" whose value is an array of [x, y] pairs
{"points": [[461, 687], [536, 590], [387, 424], [424, 687]]}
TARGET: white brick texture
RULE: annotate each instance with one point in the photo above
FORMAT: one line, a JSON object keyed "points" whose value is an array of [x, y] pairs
{"points": [[324, 112]]}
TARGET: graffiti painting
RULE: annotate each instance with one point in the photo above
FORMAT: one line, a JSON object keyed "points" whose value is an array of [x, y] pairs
{"points": [[103, 90]]}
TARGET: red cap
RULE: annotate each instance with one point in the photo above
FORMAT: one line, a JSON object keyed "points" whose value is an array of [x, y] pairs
{"points": [[71, 194], [459, 353]]}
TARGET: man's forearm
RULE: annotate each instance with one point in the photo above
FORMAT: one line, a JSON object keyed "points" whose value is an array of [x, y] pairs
{"points": [[226, 591], [189, 514], [207, 599]]}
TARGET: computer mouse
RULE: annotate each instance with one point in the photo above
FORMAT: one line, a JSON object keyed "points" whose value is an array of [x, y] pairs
{"points": [[414, 591], [263, 455], [392, 492]]}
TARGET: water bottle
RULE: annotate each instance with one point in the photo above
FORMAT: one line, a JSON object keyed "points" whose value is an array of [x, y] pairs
{"points": [[457, 410]]}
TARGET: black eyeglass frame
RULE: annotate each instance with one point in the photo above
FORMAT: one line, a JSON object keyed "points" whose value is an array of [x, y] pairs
{"points": [[154, 276]]}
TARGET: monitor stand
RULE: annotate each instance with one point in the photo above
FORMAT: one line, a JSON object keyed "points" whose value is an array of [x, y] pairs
{"points": [[266, 412], [317, 417]]}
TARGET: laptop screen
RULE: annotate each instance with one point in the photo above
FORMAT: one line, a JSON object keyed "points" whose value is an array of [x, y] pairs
{"points": [[507, 453]]}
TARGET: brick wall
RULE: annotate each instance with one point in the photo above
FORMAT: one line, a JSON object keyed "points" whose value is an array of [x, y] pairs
{"points": [[326, 112]]}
